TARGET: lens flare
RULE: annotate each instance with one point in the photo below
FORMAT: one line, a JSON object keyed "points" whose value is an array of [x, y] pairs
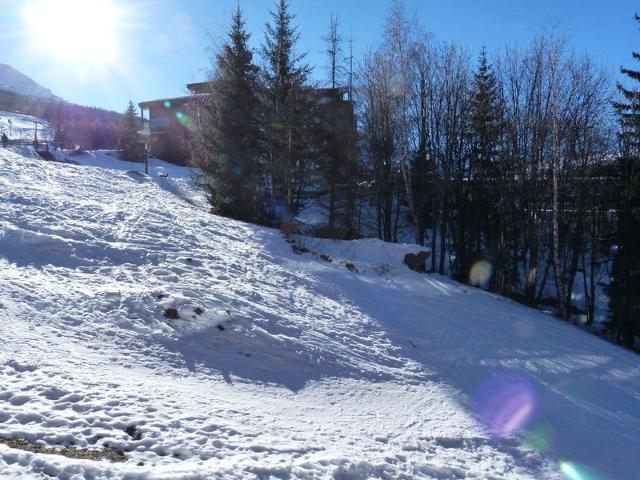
{"points": [[570, 471], [480, 273], [505, 404], [186, 121], [540, 438], [236, 170], [573, 471]]}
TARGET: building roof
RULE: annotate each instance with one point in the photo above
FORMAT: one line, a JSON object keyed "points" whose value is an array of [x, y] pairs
{"points": [[199, 87], [168, 102], [203, 89]]}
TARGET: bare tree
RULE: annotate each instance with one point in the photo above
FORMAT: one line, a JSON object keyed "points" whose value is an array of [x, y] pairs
{"points": [[502, 164], [378, 134]]}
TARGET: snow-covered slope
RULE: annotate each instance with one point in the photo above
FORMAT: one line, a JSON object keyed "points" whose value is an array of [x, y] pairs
{"points": [[14, 81], [22, 127], [280, 365]]}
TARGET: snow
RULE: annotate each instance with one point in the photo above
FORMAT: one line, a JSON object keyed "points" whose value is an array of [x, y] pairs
{"points": [[281, 365], [22, 126], [108, 159]]}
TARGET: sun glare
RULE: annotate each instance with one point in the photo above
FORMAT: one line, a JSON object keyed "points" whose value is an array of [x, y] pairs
{"points": [[82, 31]]}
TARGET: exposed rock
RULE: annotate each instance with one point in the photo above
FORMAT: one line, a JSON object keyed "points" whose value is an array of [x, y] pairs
{"points": [[134, 432], [171, 314], [417, 261], [299, 249], [351, 267], [107, 453]]}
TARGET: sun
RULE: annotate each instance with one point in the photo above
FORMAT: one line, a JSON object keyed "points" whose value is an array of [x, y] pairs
{"points": [[80, 31]]}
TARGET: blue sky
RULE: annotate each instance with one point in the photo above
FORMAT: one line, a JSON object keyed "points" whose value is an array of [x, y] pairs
{"points": [[164, 44]]}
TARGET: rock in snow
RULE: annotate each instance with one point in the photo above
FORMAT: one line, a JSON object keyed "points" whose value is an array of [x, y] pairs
{"points": [[417, 261], [314, 373]]}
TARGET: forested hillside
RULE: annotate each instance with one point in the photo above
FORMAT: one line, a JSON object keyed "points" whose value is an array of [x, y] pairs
{"points": [[75, 125]]}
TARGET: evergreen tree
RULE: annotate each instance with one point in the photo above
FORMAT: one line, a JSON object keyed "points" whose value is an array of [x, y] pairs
{"points": [[624, 289], [228, 147], [487, 119], [288, 109], [479, 214], [130, 146]]}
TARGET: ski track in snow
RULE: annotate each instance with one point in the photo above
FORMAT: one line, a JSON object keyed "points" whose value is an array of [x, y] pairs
{"points": [[282, 365]]}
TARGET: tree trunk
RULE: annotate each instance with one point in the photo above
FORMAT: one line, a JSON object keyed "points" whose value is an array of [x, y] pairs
{"points": [[557, 258]]}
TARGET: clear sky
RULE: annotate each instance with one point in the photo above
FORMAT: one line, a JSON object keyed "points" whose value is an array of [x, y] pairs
{"points": [[110, 51]]}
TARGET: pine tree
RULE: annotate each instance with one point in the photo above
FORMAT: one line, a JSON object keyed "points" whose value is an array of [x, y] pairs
{"points": [[130, 146], [480, 213], [288, 109], [228, 147], [624, 289], [487, 119]]}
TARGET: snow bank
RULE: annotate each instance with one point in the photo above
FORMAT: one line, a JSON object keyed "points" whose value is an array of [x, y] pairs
{"points": [[207, 348]]}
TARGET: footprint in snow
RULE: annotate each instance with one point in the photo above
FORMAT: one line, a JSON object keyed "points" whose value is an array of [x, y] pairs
{"points": [[54, 393], [21, 367]]}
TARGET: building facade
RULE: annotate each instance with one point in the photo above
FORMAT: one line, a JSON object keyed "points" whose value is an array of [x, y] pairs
{"points": [[172, 121]]}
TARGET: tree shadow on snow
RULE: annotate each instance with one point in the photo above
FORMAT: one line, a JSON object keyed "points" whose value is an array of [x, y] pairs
{"points": [[410, 328], [579, 385]]}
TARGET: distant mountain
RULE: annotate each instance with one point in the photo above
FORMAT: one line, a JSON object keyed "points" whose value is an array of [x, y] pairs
{"points": [[73, 125], [11, 80]]}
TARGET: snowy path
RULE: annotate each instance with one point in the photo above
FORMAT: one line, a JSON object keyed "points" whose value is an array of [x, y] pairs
{"points": [[281, 365]]}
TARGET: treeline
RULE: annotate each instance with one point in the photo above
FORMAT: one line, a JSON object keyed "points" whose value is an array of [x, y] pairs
{"points": [[74, 125], [507, 161], [516, 160]]}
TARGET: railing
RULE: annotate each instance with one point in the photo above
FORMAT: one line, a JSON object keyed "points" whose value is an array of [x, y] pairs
{"points": [[39, 145]]}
